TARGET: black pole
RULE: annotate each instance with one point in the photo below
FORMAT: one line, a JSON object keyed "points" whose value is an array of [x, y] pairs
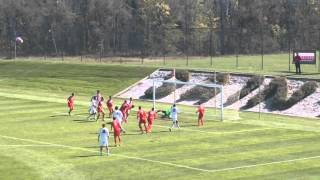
{"points": [[262, 47], [210, 45], [318, 52], [289, 36]]}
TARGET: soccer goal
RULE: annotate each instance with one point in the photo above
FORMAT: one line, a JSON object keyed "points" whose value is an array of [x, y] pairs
{"points": [[190, 94]]}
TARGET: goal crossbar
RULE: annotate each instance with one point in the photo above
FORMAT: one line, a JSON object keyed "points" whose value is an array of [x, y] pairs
{"points": [[188, 83]]}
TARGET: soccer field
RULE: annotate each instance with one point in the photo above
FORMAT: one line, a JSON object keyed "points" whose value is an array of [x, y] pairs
{"points": [[39, 141]]}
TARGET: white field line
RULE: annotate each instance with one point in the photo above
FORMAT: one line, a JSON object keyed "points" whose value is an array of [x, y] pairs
{"points": [[211, 132], [264, 164], [167, 163], [119, 155], [26, 145]]}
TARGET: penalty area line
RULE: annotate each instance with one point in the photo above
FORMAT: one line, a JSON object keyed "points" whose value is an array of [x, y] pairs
{"points": [[119, 155], [264, 164], [211, 132]]}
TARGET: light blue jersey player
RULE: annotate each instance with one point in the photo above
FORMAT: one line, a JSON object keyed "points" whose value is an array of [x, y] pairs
{"points": [[103, 139], [174, 117]]}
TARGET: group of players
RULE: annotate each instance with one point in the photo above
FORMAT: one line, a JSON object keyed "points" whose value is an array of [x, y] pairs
{"points": [[120, 116]]}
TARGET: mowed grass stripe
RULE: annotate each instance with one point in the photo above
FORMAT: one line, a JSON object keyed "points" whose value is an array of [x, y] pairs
{"points": [[260, 155], [307, 127], [119, 155], [252, 148], [31, 111], [30, 105], [207, 144], [216, 170], [193, 149]]}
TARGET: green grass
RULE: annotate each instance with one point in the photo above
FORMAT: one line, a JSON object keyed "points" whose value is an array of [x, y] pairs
{"points": [[38, 141]]}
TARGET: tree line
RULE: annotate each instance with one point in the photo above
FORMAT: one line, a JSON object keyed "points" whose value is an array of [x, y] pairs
{"points": [[158, 27]]}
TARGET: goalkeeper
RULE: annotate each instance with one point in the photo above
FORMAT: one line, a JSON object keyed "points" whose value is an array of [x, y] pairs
{"points": [[165, 113]]}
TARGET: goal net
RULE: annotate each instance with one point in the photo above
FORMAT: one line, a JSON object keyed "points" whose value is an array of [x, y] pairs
{"points": [[189, 95]]}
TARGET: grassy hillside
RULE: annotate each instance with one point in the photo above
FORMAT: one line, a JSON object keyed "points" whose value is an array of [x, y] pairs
{"points": [[274, 64]]}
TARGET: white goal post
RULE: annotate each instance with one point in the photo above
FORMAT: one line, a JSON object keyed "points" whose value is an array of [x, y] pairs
{"points": [[175, 82]]}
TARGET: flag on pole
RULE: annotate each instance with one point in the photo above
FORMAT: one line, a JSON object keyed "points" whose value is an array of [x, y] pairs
{"points": [[19, 40]]}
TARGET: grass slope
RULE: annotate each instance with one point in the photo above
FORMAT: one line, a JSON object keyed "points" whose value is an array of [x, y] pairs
{"points": [[273, 64], [38, 141]]}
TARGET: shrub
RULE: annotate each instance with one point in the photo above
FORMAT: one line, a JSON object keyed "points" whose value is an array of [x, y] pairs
{"points": [[203, 94], [232, 99], [162, 91], [182, 75], [306, 89], [280, 88], [252, 84], [169, 76], [268, 92], [221, 78]]}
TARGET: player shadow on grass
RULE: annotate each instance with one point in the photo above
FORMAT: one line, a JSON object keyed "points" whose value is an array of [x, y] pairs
{"points": [[190, 125], [59, 115], [86, 156], [83, 121], [97, 147]]}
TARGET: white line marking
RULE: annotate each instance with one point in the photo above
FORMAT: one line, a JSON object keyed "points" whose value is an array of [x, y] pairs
{"points": [[265, 164], [211, 132], [119, 155], [26, 145]]}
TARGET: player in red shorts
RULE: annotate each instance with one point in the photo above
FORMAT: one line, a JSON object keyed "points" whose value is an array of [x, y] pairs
{"points": [[100, 109], [142, 118], [124, 108], [151, 116], [116, 126], [200, 112], [110, 106], [71, 103]]}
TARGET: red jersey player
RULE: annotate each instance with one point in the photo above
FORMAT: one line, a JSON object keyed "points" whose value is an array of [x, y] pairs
{"points": [[200, 112], [151, 116], [116, 126], [124, 108], [142, 118], [71, 103], [100, 109], [110, 106]]}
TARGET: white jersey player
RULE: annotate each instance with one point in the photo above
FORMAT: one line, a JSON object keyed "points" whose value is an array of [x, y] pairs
{"points": [[174, 117], [117, 114], [103, 139], [93, 108]]}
